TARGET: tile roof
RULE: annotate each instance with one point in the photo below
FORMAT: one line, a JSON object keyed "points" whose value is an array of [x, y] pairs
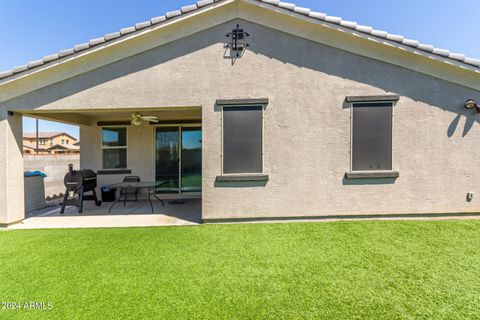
{"points": [[48, 147], [33, 135], [64, 146], [33, 146], [379, 34]]}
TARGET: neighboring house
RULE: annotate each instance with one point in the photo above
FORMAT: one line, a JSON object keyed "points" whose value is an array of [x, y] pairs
{"points": [[49, 143], [315, 117], [64, 149], [30, 149]]}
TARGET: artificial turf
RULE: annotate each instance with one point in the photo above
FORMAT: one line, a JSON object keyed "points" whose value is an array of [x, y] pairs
{"points": [[341, 270]]}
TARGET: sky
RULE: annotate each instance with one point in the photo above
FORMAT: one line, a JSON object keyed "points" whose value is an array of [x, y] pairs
{"points": [[32, 29]]}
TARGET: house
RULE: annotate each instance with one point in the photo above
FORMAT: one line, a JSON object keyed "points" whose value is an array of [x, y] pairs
{"points": [[31, 149], [49, 143], [64, 149], [265, 110]]}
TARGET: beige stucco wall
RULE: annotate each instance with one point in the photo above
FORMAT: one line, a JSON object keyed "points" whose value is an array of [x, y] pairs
{"points": [[307, 124], [139, 152], [11, 168]]}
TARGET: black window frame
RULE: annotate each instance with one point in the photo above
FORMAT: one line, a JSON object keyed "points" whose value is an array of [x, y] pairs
{"points": [[372, 103], [261, 107]]}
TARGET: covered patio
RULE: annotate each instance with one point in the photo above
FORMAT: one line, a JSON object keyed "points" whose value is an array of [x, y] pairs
{"points": [[134, 214], [166, 151]]}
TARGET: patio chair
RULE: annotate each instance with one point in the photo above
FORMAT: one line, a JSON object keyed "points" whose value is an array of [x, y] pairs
{"points": [[125, 192]]}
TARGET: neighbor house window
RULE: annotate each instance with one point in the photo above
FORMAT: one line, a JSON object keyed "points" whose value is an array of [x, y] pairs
{"points": [[372, 136], [242, 139], [114, 147]]}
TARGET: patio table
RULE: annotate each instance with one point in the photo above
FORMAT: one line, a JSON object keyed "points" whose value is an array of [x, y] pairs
{"points": [[148, 186]]}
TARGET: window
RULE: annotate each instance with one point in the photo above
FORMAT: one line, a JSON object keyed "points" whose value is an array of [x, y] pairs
{"points": [[242, 139], [63, 141], [114, 147], [372, 136]]}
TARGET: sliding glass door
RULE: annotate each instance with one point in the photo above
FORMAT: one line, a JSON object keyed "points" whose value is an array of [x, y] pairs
{"points": [[191, 159], [167, 158], [178, 158]]}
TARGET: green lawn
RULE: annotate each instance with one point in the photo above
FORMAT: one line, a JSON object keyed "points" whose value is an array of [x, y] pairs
{"points": [[343, 270]]}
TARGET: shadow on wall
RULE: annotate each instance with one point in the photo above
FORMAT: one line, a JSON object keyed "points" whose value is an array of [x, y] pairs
{"points": [[361, 182], [240, 184], [387, 77], [282, 47], [469, 121], [116, 70]]}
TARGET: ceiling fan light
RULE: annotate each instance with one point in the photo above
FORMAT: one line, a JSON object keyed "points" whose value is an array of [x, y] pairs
{"points": [[137, 122]]}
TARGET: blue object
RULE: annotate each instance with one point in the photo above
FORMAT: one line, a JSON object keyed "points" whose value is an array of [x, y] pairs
{"points": [[34, 174]]}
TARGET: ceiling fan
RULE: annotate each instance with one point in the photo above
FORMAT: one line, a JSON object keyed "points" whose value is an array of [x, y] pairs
{"points": [[137, 119]]}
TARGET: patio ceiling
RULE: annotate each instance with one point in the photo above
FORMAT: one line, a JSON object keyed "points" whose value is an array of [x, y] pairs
{"points": [[90, 117]]}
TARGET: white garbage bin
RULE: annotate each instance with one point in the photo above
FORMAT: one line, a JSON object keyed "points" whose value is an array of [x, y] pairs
{"points": [[34, 192]]}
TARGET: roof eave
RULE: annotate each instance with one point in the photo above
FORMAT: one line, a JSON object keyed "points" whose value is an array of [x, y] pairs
{"points": [[336, 23], [93, 45]]}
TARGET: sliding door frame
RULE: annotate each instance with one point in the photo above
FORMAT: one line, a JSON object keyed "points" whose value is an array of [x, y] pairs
{"points": [[178, 125]]}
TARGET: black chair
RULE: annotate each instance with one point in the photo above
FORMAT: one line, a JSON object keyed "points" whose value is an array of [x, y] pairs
{"points": [[125, 192]]}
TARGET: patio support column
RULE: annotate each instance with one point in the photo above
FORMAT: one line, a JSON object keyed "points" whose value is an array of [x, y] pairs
{"points": [[11, 168]]}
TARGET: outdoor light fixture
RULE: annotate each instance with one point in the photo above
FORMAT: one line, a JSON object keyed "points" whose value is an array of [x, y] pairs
{"points": [[237, 40], [471, 104]]}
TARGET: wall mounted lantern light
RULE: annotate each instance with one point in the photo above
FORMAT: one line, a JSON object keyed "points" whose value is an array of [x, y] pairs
{"points": [[237, 40], [471, 104]]}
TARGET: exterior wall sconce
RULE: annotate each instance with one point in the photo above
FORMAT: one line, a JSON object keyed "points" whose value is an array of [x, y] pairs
{"points": [[471, 104], [237, 40]]}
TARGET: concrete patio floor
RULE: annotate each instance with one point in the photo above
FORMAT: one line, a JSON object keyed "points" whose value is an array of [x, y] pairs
{"points": [[189, 212], [134, 214]]}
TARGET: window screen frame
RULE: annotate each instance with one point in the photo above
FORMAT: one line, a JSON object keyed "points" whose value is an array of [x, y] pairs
{"points": [[243, 105], [102, 147], [352, 105]]}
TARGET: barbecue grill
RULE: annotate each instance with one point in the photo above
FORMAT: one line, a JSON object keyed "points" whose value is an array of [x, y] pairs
{"points": [[77, 182]]}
